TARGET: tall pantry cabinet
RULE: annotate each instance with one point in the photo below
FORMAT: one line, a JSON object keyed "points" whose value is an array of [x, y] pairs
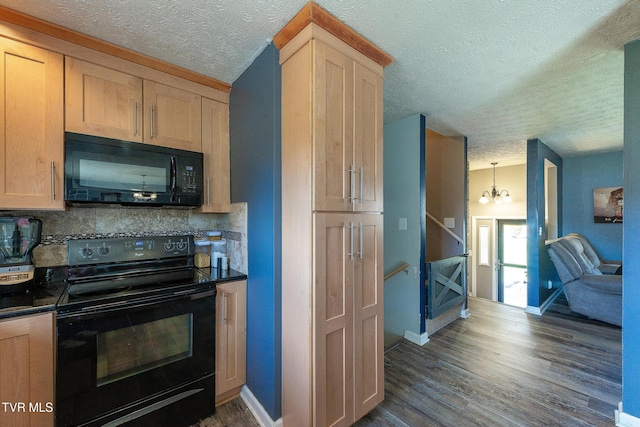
{"points": [[332, 308]]}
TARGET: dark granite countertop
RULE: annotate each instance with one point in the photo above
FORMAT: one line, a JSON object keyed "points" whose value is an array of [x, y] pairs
{"points": [[43, 295], [49, 290], [229, 275]]}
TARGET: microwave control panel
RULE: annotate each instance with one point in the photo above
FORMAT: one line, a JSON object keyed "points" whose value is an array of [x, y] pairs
{"points": [[189, 179]]}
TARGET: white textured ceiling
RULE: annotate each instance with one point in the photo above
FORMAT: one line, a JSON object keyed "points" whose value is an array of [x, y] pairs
{"points": [[498, 71]]}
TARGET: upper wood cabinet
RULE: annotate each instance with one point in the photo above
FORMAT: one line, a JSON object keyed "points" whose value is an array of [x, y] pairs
{"points": [[31, 120], [215, 147], [109, 103], [103, 102], [27, 347], [172, 117], [348, 133]]}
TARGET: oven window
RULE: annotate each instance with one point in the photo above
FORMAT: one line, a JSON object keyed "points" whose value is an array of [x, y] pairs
{"points": [[121, 176], [129, 351]]}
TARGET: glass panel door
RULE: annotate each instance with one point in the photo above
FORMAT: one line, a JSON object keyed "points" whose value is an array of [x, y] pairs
{"points": [[512, 262]]}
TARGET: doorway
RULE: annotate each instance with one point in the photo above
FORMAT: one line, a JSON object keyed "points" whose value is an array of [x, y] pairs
{"points": [[512, 262]]}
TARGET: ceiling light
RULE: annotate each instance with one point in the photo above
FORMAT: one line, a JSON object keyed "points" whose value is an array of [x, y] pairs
{"points": [[497, 196]]}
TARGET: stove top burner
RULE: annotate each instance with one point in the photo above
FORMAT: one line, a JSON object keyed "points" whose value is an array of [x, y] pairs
{"points": [[109, 270]]}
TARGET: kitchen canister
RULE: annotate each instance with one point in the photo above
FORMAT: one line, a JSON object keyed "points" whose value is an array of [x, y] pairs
{"points": [[218, 251], [202, 253], [214, 235]]}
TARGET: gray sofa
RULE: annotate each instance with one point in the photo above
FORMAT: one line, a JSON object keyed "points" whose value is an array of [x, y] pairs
{"points": [[592, 285]]}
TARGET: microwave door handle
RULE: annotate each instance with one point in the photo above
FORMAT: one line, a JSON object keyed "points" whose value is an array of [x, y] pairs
{"points": [[173, 179]]}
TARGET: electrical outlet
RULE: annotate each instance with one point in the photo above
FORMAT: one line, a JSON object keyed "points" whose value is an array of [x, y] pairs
{"points": [[402, 224], [415, 272]]}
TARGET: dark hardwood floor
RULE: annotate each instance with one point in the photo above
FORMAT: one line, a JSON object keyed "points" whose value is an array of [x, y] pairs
{"points": [[499, 367], [503, 367]]}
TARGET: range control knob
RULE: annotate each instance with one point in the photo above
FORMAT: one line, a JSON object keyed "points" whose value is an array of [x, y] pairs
{"points": [[86, 252], [169, 246], [104, 250], [182, 245]]}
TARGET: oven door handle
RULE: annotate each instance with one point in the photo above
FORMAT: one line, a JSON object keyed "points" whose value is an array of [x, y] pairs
{"points": [[193, 294]]}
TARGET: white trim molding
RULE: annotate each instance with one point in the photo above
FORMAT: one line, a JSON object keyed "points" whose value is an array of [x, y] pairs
{"points": [[625, 420], [420, 339], [539, 310], [257, 410]]}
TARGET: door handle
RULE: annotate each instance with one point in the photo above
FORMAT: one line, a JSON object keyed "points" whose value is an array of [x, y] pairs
{"points": [[350, 254], [135, 117], [151, 120], [173, 179], [352, 184], [224, 308], [209, 192], [361, 252], [53, 180], [361, 182]]}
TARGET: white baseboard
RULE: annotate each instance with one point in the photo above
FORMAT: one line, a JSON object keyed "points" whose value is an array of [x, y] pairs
{"points": [[420, 339], [625, 420], [533, 310], [539, 310], [257, 410]]}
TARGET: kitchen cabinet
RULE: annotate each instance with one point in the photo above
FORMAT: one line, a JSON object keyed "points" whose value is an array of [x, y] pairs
{"points": [[332, 280], [172, 117], [348, 130], [349, 330], [215, 147], [31, 117], [104, 102], [27, 370], [113, 104], [231, 338]]}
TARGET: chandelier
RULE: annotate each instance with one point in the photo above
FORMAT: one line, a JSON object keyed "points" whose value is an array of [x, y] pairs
{"points": [[497, 196]]}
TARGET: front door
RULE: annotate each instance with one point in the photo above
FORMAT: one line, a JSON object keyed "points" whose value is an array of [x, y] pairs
{"points": [[512, 262]]}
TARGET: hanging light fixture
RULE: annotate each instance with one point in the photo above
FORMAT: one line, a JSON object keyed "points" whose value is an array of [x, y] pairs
{"points": [[497, 196]]}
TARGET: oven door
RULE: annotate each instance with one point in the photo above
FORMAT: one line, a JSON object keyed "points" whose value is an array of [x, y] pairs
{"points": [[122, 361]]}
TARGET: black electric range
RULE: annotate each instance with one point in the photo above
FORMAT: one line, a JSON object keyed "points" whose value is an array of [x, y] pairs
{"points": [[135, 334]]}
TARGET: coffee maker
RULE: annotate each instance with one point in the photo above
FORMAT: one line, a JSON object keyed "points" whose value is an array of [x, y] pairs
{"points": [[19, 235]]}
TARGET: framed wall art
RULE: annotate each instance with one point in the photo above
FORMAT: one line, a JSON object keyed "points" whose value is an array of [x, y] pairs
{"points": [[608, 205]]}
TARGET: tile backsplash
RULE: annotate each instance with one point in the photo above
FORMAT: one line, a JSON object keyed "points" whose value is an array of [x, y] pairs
{"points": [[77, 223]]}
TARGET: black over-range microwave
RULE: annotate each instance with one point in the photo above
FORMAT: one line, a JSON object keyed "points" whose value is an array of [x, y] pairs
{"points": [[110, 171]]}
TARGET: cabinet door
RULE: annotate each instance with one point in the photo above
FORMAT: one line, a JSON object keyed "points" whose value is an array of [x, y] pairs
{"points": [[333, 353], [231, 359], [172, 117], [368, 133], [368, 314], [31, 119], [215, 147], [333, 130], [27, 370], [103, 102]]}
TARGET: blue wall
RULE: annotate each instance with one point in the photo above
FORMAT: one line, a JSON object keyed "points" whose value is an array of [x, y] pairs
{"points": [[580, 176], [255, 134], [631, 228], [539, 266], [403, 141]]}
